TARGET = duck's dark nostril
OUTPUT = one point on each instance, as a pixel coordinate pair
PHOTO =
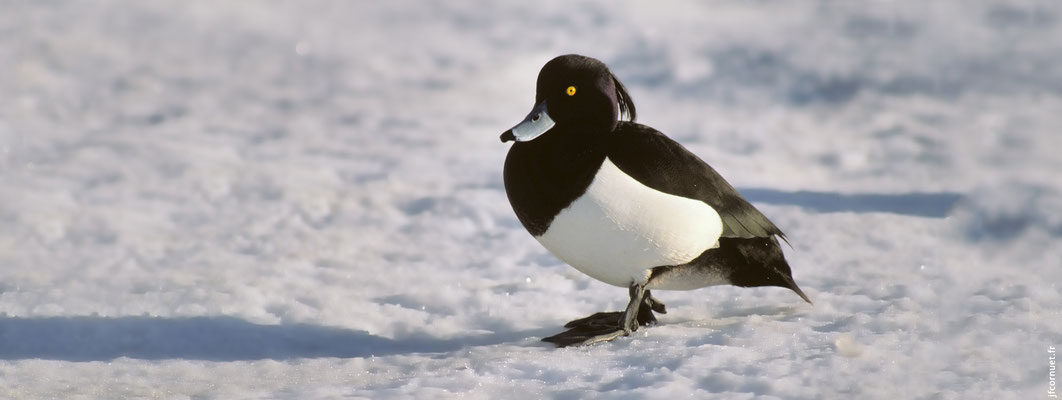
(534, 118)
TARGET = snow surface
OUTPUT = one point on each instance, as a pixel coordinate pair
(303, 199)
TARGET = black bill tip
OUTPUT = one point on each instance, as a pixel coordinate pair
(507, 136)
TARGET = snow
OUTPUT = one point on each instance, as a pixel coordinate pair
(304, 199)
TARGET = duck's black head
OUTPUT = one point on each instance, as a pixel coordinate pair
(574, 92)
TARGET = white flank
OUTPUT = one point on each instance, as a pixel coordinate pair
(620, 228)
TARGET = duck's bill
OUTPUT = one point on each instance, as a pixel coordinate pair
(534, 125)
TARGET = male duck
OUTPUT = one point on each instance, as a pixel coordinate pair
(627, 205)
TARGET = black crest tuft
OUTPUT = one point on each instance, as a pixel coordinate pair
(626, 104)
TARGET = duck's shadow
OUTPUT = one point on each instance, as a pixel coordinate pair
(207, 338)
(937, 205)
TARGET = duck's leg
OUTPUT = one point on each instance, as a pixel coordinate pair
(645, 314)
(651, 303)
(606, 326)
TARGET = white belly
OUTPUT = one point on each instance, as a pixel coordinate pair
(620, 229)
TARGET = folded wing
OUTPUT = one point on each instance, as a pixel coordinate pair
(662, 164)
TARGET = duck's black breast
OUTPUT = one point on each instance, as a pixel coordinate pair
(662, 164)
(544, 176)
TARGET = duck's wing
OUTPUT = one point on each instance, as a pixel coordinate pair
(662, 164)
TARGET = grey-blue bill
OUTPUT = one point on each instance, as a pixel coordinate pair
(535, 124)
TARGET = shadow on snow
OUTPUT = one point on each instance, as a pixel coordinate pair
(205, 338)
(937, 205)
(87, 338)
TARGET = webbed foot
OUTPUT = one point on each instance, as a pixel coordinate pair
(606, 326)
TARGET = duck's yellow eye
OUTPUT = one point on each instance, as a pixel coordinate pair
(571, 90)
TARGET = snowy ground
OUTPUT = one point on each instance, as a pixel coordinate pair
(303, 200)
